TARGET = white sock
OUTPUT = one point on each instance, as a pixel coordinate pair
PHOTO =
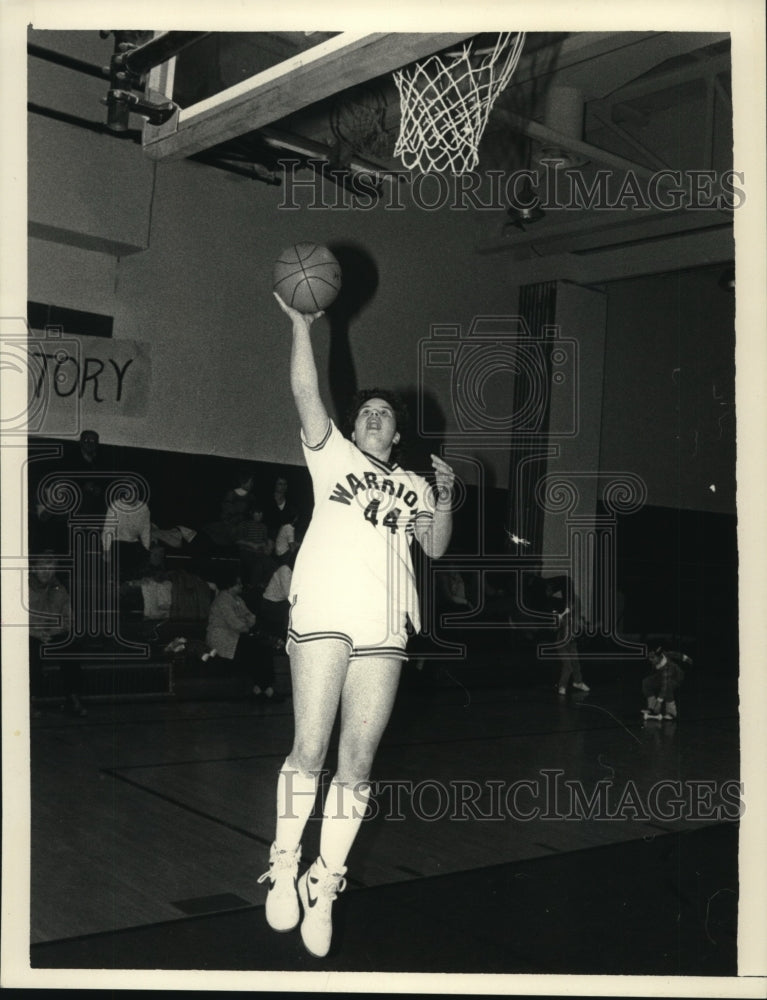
(345, 808)
(296, 795)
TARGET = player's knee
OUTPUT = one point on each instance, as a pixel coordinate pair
(308, 756)
(355, 766)
(353, 776)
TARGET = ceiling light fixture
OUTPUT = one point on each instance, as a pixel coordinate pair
(526, 207)
(563, 114)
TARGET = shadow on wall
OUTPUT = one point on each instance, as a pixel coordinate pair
(423, 411)
(359, 287)
(359, 276)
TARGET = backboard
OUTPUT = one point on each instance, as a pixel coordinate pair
(321, 64)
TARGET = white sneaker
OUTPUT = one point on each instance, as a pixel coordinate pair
(317, 889)
(580, 686)
(282, 912)
(561, 690)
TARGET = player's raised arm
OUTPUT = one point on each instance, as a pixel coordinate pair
(303, 375)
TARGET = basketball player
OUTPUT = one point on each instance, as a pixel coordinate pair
(352, 592)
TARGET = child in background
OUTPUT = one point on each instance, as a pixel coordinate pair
(660, 686)
(563, 601)
(256, 548)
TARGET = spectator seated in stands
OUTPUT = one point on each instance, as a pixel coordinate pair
(277, 509)
(252, 534)
(127, 536)
(85, 473)
(172, 593)
(256, 551)
(167, 606)
(50, 618)
(88, 467)
(286, 542)
(183, 541)
(232, 633)
(157, 596)
(237, 501)
(234, 510)
(275, 602)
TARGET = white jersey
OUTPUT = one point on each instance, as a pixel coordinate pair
(355, 559)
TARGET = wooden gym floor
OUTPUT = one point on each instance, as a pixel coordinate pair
(151, 822)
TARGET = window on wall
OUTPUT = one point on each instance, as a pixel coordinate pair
(78, 322)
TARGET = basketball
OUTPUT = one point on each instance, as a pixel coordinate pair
(307, 277)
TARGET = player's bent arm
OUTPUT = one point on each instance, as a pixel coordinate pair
(434, 534)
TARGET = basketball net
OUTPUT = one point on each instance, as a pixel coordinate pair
(445, 102)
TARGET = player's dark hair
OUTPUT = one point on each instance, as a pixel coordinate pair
(399, 409)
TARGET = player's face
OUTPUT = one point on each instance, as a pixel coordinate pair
(375, 429)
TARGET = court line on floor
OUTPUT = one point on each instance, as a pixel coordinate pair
(353, 882)
(164, 797)
(93, 723)
(386, 745)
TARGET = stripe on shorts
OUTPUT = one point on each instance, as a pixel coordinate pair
(314, 636)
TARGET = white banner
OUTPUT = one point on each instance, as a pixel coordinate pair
(73, 381)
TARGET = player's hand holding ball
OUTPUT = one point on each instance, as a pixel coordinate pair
(299, 319)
